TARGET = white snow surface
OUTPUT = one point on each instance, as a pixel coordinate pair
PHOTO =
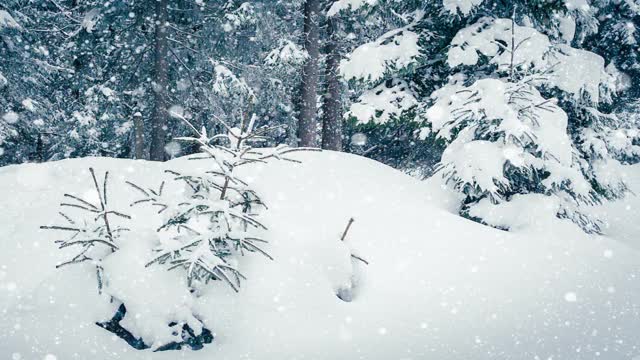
(437, 287)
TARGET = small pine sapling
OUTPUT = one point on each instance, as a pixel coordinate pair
(216, 222)
(93, 234)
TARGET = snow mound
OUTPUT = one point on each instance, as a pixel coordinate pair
(437, 286)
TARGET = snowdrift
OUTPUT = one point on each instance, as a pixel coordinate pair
(437, 286)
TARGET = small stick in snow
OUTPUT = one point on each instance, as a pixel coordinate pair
(344, 236)
(346, 230)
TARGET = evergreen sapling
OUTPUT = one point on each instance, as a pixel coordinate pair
(217, 221)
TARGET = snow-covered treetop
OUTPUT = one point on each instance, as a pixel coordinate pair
(571, 70)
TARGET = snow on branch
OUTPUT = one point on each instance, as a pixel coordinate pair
(8, 22)
(384, 102)
(504, 138)
(94, 234)
(352, 5)
(574, 71)
(464, 6)
(396, 49)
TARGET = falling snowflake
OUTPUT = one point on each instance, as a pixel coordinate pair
(570, 297)
(359, 139)
(173, 149)
(10, 117)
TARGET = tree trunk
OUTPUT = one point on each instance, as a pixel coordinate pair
(138, 144)
(307, 126)
(332, 119)
(159, 120)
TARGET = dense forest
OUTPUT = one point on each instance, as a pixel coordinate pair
(320, 179)
(501, 98)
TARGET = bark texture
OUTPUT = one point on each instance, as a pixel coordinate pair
(331, 106)
(138, 144)
(307, 123)
(160, 115)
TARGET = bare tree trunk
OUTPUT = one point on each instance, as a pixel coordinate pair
(332, 119)
(138, 144)
(159, 120)
(307, 126)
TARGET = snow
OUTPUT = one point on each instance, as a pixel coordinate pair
(567, 28)
(383, 103)
(621, 216)
(465, 6)
(482, 162)
(10, 117)
(29, 104)
(572, 70)
(437, 285)
(522, 212)
(579, 70)
(581, 5)
(397, 48)
(341, 5)
(156, 296)
(484, 36)
(90, 20)
(7, 21)
(289, 53)
(227, 83)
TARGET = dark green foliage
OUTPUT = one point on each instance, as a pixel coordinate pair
(395, 143)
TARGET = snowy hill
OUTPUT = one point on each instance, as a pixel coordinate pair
(437, 286)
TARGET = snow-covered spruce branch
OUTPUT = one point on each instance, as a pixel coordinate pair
(505, 139)
(93, 233)
(215, 223)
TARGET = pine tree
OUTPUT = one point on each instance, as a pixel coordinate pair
(92, 230)
(217, 221)
(459, 43)
(29, 111)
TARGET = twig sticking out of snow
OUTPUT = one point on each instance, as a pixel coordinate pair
(151, 196)
(344, 236)
(346, 230)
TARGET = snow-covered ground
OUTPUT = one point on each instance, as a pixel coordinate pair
(437, 286)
